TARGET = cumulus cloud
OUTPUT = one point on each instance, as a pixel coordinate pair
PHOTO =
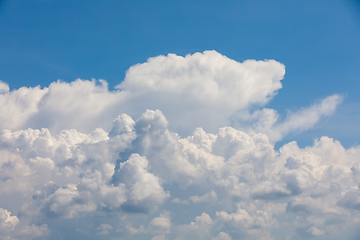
(4, 87)
(79, 160)
(144, 190)
(206, 90)
(161, 223)
(7, 222)
(199, 90)
(251, 190)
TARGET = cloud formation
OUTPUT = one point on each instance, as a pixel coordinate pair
(81, 162)
(193, 91)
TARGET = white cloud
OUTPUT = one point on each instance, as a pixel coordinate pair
(208, 197)
(159, 237)
(34, 231)
(204, 90)
(66, 164)
(306, 118)
(4, 87)
(135, 230)
(84, 174)
(222, 236)
(199, 90)
(200, 228)
(104, 229)
(267, 120)
(161, 223)
(314, 231)
(19, 105)
(178, 200)
(7, 222)
(144, 190)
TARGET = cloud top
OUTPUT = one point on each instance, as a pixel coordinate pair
(199, 90)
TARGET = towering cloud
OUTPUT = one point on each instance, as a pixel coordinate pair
(199, 90)
(81, 162)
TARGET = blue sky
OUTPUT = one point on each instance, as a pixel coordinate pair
(42, 41)
(88, 160)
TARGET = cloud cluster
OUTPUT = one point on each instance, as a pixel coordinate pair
(71, 167)
(235, 185)
(192, 91)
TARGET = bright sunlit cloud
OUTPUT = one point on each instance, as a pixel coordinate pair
(163, 157)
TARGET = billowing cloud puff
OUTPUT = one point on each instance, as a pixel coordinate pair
(7, 222)
(235, 184)
(78, 161)
(193, 91)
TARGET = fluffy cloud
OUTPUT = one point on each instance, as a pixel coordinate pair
(4, 87)
(7, 222)
(161, 223)
(199, 90)
(80, 161)
(251, 190)
(144, 190)
(206, 90)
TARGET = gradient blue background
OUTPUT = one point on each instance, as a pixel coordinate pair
(318, 41)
